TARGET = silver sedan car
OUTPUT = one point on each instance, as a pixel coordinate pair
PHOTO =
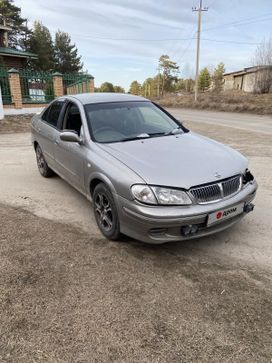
(147, 175)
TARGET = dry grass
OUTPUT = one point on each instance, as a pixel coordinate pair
(231, 101)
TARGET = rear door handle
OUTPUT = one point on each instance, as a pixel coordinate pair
(57, 142)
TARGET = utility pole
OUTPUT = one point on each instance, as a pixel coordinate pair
(199, 10)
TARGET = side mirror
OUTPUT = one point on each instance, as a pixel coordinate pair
(70, 136)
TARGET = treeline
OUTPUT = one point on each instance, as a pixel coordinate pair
(109, 87)
(168, 81)
(58, 55)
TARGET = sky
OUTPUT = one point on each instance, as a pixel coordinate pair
(122, 40)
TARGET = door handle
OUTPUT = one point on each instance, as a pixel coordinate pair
(57, 142)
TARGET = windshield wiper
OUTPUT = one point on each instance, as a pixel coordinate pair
(154, 134)
(177, 130)
(138, 137)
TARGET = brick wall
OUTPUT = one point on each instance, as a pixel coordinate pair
(58, 85)
(15, 88)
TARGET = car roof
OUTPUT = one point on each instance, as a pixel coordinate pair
(99, 97)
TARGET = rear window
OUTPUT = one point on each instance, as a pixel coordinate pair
(52, 113)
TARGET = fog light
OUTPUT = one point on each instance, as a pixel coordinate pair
(189, 230)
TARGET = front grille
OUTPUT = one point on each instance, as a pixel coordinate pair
(231, 186)
(214, 192)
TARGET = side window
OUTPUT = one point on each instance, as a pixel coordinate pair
(51, 115)
(46, 113)
(72, 120)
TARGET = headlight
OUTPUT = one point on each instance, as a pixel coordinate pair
(171, 196)
(143, 194)
(159, 195)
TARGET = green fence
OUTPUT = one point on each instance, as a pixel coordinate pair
(75, 83)
(5, 89)
(36, 87)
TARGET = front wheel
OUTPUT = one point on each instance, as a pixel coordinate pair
(105, 212)
(44, 169)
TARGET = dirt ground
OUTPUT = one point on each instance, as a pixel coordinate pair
(69, 295)
(66, 297)
(14, 124)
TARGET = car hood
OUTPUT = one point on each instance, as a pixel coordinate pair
(180, 161)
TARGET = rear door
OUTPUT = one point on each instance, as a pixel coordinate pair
(70, 156)
(48, 131)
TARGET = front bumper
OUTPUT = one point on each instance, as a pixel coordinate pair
(160, 224)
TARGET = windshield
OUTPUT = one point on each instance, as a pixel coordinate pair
(126, 121)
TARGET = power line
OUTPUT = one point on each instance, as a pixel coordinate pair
(186, 49)
(229, 41)
(174, 46)
(191, 36)
(129, 39)
(165, 39)
(246, 21)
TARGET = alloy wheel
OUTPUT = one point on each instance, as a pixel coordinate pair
(103, 211)
(40, 160)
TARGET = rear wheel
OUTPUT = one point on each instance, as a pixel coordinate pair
(105, 212)
(44, 169)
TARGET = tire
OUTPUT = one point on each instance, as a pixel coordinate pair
(105, 212)
(44, 169)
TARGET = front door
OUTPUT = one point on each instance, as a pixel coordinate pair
(48, 131)
(70, 156)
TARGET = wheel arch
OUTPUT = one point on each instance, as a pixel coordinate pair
(100, 178)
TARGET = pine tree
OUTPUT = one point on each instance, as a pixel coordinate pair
(40, 42)
(12, 15)
(218, 77)
(65, 54)
(170, 70)
(204, 80)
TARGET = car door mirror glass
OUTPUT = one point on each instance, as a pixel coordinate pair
(70, 136)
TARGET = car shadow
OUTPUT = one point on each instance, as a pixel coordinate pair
(197, 247)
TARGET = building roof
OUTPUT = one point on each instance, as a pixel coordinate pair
(10, 52)
(247, 70)
(87, 98)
